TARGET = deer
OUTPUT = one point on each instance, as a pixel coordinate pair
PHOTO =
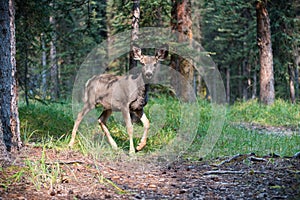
(127, 94)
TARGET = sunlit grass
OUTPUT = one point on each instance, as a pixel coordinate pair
(281, 113)
(53, 124)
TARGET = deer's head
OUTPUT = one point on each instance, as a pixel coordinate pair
(149, 62)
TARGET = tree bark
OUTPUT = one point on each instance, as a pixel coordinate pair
(297, 64)
(53, 59)
(9, 118)
(14, 120)
(292, 83)
(44, 67)
(254, 85)
(135, 30)
(4, 155)
(267, 92)
(181, 23)
(227, 85)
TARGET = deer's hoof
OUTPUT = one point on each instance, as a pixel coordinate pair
(132, 152)
(141, 146)
(71, 144)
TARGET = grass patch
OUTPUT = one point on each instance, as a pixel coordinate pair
(281, 113)
(52, 124)
(45, 123)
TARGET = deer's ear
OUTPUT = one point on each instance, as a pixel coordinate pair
(162, 52)
(137, 52)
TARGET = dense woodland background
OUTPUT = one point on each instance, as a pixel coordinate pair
(54, 37)
(247, 149)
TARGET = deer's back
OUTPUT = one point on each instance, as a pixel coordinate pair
(114, 92)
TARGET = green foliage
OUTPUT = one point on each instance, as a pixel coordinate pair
(240, 141)
(11, 175)
(50, 125)
(41, 122)
(229, 30)
(281, 113)
(43, 174)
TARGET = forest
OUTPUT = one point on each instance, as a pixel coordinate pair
(52, 41)
(219, 118)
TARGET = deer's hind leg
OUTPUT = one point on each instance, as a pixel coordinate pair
(102, 121)
(86, 108)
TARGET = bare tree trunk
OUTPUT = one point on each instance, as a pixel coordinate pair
(240, 81)
(9, 118)
(5, 74)
(182, 23)
(44, 68)
(227, 85)
(53, 60)
(267, 91)
(245, 80)
(296, 70)
(14, 120)
(25, 76)
(135, 30)
(291, 83)
(4, 155)
(254, 85)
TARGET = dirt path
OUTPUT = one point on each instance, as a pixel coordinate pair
(240, 177)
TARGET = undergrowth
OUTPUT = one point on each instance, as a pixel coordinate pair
(52, 124)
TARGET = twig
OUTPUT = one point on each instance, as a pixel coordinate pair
(216, 172)
(220, 172)
(65, 162)
(238, 157)
(253, 158)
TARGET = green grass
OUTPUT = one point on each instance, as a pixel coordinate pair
(51, 126)
(281, 113)
(45, 123)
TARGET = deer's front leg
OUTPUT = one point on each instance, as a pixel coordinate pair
(146, 125)
(129, 126)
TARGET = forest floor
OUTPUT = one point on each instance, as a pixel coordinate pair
(71, 175)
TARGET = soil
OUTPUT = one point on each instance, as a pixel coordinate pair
(80, 177)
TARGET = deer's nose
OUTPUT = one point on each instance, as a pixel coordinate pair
(148, 74)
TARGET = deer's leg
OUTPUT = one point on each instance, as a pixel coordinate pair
(86, 108)
(146, 125)
(102, 121)
(129, 126)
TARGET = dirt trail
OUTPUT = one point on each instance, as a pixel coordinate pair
(239, 177)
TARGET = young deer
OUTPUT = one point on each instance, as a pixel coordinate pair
(127, 94)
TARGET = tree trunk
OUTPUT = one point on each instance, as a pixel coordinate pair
(25, 77)
(5, 74)
(53, 60)
(8, 100)
(267, 92)
(296, 72)
(135, 30)
(254, 85)
(14, 120)
(44, 68)
(4, 155)
(182, 23)
(292, 83)
(227, 85)
(245, 80)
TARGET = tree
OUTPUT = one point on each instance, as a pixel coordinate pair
(53, 58)
(9, 130)
(181, 23)
(135, 30)
(14, 119)
(267, 92)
